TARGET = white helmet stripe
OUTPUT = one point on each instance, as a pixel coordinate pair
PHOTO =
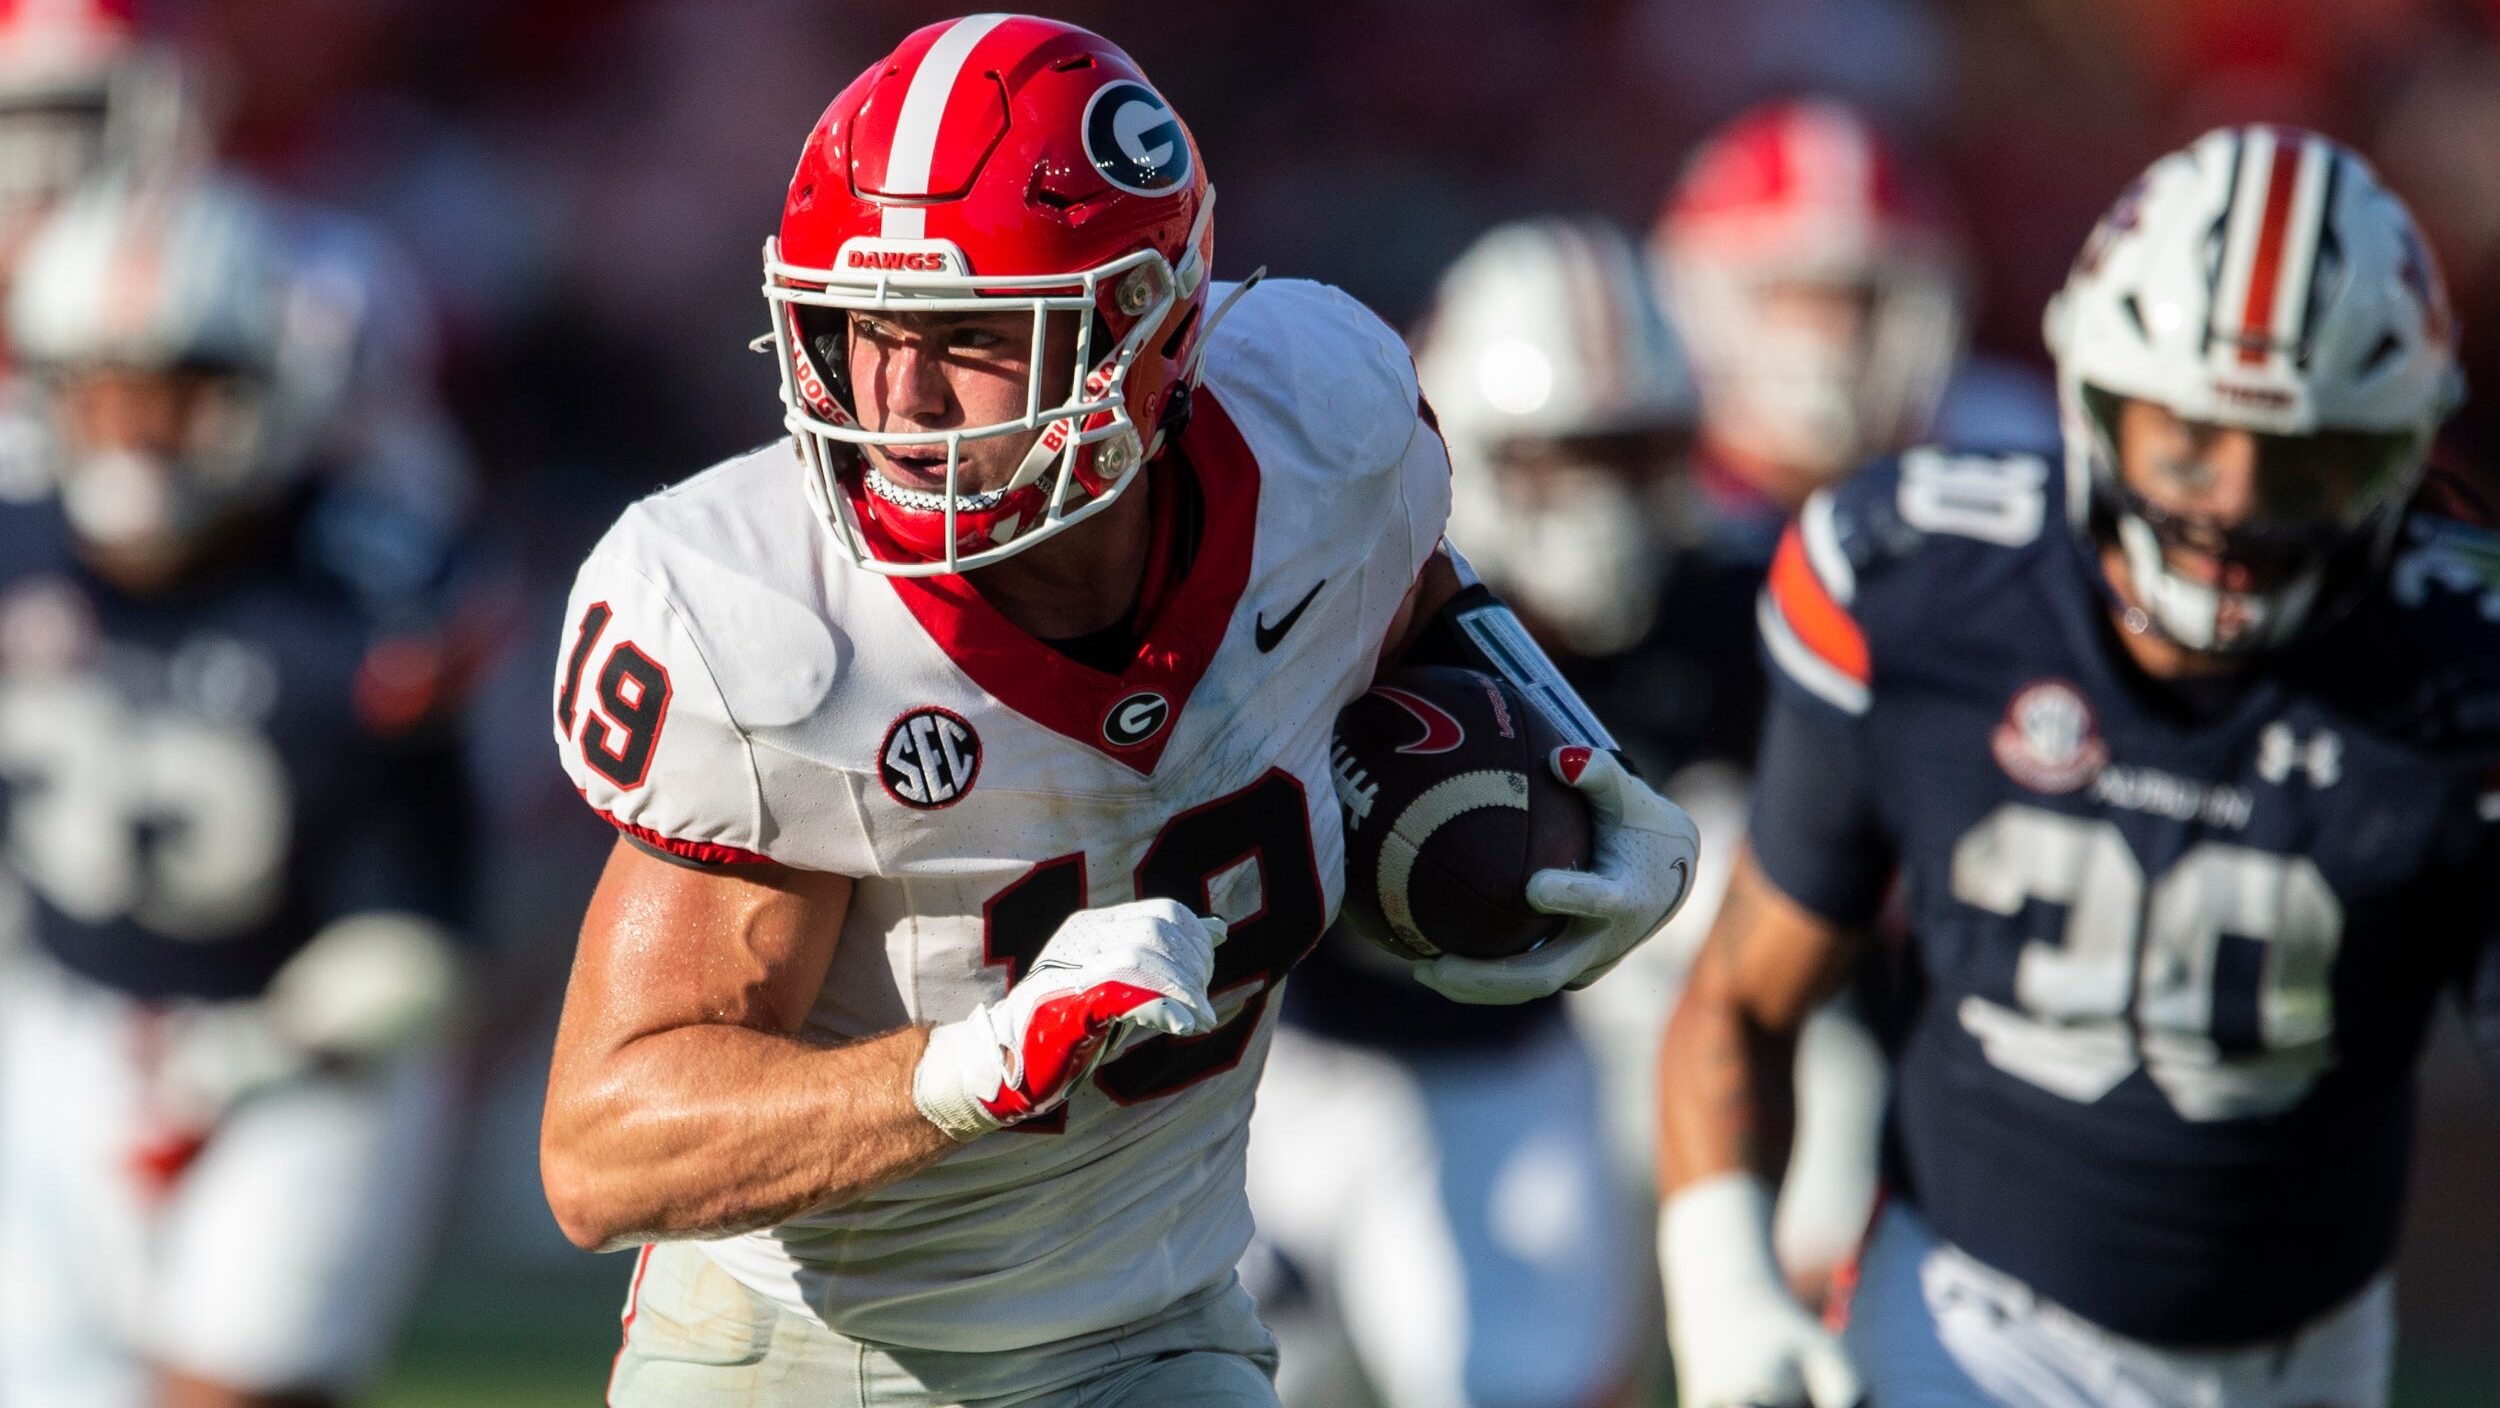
(2314, 183)
(924, 111)
(2257, 277)
(2244, 210)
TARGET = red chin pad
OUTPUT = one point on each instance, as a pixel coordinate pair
(919, 535)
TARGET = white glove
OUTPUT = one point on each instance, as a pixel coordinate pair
(367, 986)
(1739, 1338)
(1143, 965)
(1645, 854)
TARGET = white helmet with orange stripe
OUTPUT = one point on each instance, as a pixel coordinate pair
(1564, 398)
(2259, 281)
(1816, 270)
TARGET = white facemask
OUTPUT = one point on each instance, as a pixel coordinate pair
(125, 499)
(1587, 560)
(1797, 402)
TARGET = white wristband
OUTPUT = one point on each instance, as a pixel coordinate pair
(941, 1085)
(1713, 1238)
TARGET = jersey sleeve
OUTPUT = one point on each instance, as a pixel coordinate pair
(1417, 512)
(1818, 653)
(1815, 828)
(1423, 495)
(641, 723)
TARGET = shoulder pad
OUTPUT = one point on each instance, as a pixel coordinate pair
(1893, 507)
(681, 636)
(1884, 550)
(737, 550)
(2440, 557)
(1314, 378)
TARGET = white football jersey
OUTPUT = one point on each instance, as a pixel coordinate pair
(733, 687)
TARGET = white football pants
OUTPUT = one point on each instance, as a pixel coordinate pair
(1440, 1224)
(282, 1258)
(697, 1338)
(1932, 1328)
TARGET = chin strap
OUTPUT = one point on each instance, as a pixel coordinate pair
(1176, 410)
(1198, 353)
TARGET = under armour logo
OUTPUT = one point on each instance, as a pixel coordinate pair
(2282, 752)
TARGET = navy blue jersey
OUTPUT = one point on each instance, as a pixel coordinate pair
(196, 781)
(2171, 951)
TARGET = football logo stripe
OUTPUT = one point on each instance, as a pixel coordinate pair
(924, 111)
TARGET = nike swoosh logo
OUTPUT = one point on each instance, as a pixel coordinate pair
(1267, 636)
(1441, 732)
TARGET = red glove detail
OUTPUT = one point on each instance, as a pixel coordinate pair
(1065, 1035)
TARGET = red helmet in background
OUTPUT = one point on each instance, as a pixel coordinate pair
(1810, 195)
(994, 162)
(80, 90)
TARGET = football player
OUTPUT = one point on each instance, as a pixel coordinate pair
(1814, 265)
(972, 765)
(235, 840)
(1437, 1215)
(2181, 744)
(81, 92)
(1815, 268)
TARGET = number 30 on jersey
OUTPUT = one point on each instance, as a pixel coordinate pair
(2141, 976)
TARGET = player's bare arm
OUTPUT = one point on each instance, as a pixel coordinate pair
(1726, 1088)
(1727, 1109)
(682, 1101)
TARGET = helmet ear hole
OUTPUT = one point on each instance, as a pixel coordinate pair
(824, 341)
(1104, 341)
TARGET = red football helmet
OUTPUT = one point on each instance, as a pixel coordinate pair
(80, 89)
(1810, 194)
(996, 161)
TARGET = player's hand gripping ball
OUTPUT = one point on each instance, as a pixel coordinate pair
(1449, 808)
(1510, 867)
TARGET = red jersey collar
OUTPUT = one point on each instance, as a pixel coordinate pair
(1129, 716)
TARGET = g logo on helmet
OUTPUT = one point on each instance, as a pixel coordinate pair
(1134, 139)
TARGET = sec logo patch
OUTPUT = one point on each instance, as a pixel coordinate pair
(2048, 741)
(930, 758)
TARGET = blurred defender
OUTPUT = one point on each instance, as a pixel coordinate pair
(236, 835)
(1431, 1178)
(1816, 270)
(81, 93)
(1815, 266)
(2183, 745)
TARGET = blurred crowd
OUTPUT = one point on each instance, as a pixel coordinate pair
(581, 187)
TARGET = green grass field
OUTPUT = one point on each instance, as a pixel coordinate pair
(494, 1338)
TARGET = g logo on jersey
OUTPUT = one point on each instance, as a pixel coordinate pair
(1135, 719)
(1134, 140)
(929, 759)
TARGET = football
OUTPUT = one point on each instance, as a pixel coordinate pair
(1450, 805)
